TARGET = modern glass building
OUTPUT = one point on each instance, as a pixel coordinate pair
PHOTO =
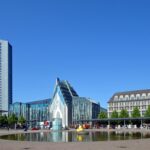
(61, 104)
(36, 111)
(68, 106)
(20, 109)
(84, 109)
(65, 108)
(5, 75)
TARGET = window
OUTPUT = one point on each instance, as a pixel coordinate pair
(144, 96)
(127, 103)
(143, 103)
(132, 97)
(116, 98)
(137, 96)
(121, 97)
(126, 97)
(148, 95)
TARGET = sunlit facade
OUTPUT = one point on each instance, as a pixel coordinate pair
(38, 110)
(84, 109)
(35, 111)
(67, 105)
(128, 100)
(61, 104)
(20, 109)
(5, 75)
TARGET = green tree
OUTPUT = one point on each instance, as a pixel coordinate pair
(3, 120)
(124, 114)
(147, 113)
(12, 120)
(102, 115)
(114, 115)
(21, 120)
(136, 113)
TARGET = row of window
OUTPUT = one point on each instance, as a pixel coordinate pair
(132, 97)
(130, 103)
(142, 113)
(127, 108)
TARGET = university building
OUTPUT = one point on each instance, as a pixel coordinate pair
(35, 111)
(65, 105)
(69, 107)
(128, 100)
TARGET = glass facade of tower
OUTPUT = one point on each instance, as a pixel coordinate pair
(5, 75)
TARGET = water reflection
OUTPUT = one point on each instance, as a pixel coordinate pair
(70, 136)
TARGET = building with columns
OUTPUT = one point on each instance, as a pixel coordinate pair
(128, 100)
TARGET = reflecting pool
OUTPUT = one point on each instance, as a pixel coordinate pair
(72, 136)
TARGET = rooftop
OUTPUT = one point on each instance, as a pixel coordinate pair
(40, 101)
(146, 91)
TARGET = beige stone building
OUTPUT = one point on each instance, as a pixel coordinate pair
(128, 100)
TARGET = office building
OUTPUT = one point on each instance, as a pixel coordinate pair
(38, 110)
(128, 100)
(33, 112)
(5, 75)
(20, 109)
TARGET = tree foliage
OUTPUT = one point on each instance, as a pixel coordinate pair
(12, 120)
(124, 114)
(102, 115)
(3, 120)
(114, 114)
(136, 113)
(147, 113)
(21, 120)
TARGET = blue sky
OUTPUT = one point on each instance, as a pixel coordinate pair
(99, 46)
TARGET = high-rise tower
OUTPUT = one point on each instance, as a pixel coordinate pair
(5, 75)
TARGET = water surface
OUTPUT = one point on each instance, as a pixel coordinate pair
(72, 136)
